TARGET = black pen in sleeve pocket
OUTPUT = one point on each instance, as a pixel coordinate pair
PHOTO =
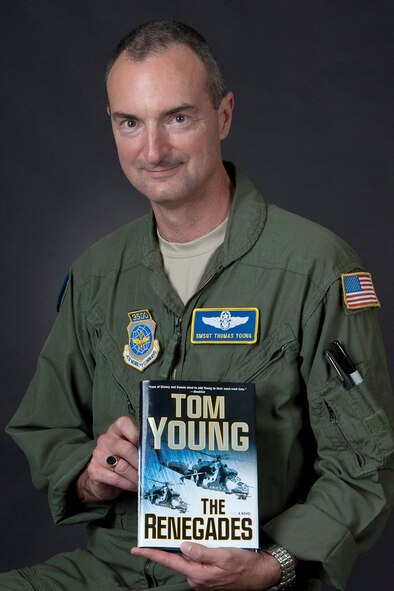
(346, 363)
(341, 374)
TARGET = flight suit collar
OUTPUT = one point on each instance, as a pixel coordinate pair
(246, 222)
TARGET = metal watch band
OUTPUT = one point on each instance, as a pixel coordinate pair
(286, 562)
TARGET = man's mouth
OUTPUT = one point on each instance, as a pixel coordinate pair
(163, 171)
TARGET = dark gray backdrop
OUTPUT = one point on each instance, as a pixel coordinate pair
(313, 128)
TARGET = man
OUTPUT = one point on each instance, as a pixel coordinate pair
(211, 243)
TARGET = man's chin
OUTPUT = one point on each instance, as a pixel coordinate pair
(164, 198)
(162, 192)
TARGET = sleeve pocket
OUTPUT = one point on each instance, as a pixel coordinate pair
(352, 426)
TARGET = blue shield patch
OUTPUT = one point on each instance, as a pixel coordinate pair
(142, 348)
(213, 326)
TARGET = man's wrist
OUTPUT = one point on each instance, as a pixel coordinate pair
(81, 486)
(287, 563)
(83, 489)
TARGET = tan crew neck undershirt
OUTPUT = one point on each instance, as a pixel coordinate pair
(185, 262)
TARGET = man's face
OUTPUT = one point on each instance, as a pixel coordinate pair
(166, 129)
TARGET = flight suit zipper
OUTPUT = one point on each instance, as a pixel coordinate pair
(334, 420)
(179, 319)
(121, 386)
(275, 357)
(178, 332)
(207, 281)
(129, 405)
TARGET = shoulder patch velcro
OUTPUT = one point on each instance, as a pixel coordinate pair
(358, 291)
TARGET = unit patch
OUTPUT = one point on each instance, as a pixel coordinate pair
(225, 326)
(358, 291)
(142, 348)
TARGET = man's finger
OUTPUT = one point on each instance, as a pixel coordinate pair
(167, 559)
(125, 428)
(126, 454)
(121, 467)
(101, 475)
(201, 554)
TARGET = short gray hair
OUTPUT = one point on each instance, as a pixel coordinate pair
(154, 37)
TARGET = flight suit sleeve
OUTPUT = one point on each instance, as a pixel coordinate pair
(53, 424)
(349, 503)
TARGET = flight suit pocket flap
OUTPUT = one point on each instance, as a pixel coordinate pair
(357, 429)
(268, 352)
(106, 345)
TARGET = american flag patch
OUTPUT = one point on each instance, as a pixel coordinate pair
(358, 291)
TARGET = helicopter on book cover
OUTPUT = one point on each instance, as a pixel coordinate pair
(211, 474)
(164, 495)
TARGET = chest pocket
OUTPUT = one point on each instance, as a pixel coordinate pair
(116, 386)
(277, 354)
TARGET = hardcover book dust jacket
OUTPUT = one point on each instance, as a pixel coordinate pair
(197, 465)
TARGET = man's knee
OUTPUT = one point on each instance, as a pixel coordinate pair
(16, 580)
(59, 573)
(78, 570)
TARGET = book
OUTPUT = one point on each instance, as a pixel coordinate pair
(198, 476)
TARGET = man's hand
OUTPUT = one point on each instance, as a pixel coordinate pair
(218, 569)
(100, 482)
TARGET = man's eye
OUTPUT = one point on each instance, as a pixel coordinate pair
(127, 126)
(180, 118)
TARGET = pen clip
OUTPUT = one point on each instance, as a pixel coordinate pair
(341, 374)
(343, 357)
(345, 362)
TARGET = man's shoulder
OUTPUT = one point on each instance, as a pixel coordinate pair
(300, 245)
(120, 250)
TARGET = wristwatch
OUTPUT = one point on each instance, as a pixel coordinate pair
(286, 562)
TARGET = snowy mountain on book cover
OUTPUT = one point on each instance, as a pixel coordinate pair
(198, 465)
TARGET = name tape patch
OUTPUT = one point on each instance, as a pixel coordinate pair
(213, 326)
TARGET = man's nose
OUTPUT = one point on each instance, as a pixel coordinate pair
(155, 145)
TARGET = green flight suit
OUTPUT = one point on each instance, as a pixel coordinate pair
(324, 452)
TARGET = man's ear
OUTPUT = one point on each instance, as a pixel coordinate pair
(225, 114)
(108, 111)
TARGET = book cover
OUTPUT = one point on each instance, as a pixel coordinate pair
(197, 465)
